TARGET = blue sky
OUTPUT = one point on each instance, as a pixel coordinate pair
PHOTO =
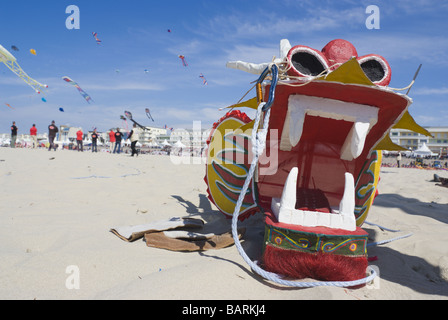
(208, 33)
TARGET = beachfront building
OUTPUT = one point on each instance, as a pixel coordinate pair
(151, 134)
(410, 140)
(195, 138)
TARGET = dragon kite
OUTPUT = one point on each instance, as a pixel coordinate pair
(324, 117)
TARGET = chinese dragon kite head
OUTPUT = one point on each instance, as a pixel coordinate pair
(318, 174)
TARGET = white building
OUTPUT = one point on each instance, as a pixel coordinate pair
(410, 140)
(195, 138)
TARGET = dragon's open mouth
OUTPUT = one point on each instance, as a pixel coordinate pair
(326, 135)
(332, 131)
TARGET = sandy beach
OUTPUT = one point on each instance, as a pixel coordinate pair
(57, 209)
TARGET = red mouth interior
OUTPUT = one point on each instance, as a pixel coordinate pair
(312, 200)
(318, 156)
(318, 153)
(320, 182)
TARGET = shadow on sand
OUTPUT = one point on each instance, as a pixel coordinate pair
(415, 272)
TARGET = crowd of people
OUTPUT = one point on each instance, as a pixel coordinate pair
(115, 138)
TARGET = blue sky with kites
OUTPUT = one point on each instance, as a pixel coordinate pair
(137, 66)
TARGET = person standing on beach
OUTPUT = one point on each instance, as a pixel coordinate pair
(118, 136)
(79, 136)
(112, 140)
(52, 130)
(94, 141)
(134, 136)
(33, 134)
(398, 159)
(14, 130)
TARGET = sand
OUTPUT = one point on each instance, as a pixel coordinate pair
(57, 209)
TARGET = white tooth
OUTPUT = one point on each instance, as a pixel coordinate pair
(354, 143)
(288, 199)
(285, 212)
(275, 206)
(296, 125)
(347, 204)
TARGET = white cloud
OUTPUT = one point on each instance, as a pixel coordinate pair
(266, 24)
(126, 86)
(431, 91)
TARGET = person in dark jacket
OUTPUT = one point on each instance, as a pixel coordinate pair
(94, 141)
(52, 131)
(118, 136)
(14, 130)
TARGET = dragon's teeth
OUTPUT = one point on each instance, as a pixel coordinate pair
(347, 204)
(288, 199)
(285, 212)
(354, 143)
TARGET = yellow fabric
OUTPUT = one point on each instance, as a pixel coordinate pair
(387, 144)
(349, 72)
(247, 126)
(368, 188)
(407, 122)
(252, 103)
(235, 170)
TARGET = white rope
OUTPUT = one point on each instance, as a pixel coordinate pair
(258, 145)
(388, 240)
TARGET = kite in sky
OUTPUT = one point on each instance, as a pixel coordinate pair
(9, 105)
(82, 92)
(148, 114)
(98, 41)
(129, 116)
(146, 71)
(44, 100)
(169, 30)
(61, 109)
(125, 121)
(14, 48)
(204, 81)
(33, 51)
(184, 62)
(11, 62)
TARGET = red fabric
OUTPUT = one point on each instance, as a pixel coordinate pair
(33, 131)
(79, 135)
(111, 136)
(320, 266)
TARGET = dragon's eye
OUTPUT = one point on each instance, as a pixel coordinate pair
(376, 69)
(306, 61)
